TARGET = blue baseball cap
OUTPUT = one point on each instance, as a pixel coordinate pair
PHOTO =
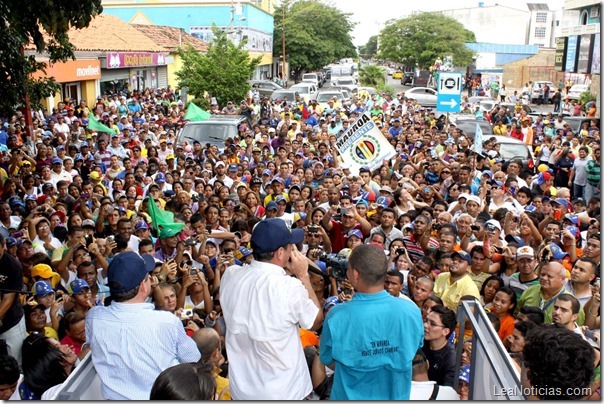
(571, 217)
(383, 201)
(514, 239)
(557, 252)
(160, 177)
(561, 201)
(574, 230)
(356, 233)
(266, 172)
(42, 288)
(128, 269)
(11, 242)
(140, 225)
(280, 198)
(78, 157)
(463, 255)
(78, 285)
(232, 168)
(245, 252)
(530, 208)
(57, 160)
(322, 266)
(271, 205)
(271, 234)
(362, 202)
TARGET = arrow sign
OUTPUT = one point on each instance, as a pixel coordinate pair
(452, 104)
(448, 97)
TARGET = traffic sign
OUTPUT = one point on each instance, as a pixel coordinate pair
(448, 98)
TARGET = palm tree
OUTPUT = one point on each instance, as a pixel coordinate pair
(371, 76)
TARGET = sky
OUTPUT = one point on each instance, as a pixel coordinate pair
(370, 15)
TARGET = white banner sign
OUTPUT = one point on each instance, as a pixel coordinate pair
(364, 145)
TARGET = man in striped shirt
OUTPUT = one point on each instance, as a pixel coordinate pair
(131, 342)
(420, 242)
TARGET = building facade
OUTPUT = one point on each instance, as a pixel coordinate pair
(578, 43)
(247, 19)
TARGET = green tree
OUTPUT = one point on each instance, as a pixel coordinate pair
(371, 76)
(369, 50)
(223, 72)
(422, 38)
(316, 34)
(45, 24)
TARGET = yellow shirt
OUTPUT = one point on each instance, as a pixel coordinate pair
(451, 294)
(479, 279)
(222, 386)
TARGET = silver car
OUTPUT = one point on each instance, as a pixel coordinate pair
(423, 95)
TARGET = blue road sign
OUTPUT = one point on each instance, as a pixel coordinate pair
(448, 98)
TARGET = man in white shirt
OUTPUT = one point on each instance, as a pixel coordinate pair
(61, 126)
(424, 389)
(263, 309)
(58, 174)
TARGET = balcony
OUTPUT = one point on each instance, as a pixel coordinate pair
(579, 30)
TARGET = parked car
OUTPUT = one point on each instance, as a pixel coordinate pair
(324, 96)
(291, 95)
(312, 78)
(477, 99)
(538, 91)
(576, 122)
(467, 123)
(407, 79)
(265, 87)
(514, 149)
(423, 95)
(306, 90)
(370, 90)
(576, 91)
(397, 75)
(214, 131)
(347, 82)
(487, 105)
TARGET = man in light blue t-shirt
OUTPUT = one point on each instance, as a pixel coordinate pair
(370, 341)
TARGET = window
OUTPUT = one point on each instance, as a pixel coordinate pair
(541, 17)
(539, 32)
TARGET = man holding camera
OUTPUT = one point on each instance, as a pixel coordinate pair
(263, 310)
(370, 341)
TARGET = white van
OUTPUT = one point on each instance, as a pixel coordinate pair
(311, 78)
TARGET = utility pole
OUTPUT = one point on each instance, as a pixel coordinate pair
(284, 68)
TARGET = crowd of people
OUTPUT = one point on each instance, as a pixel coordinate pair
(269, 268)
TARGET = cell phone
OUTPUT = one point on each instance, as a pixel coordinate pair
(18, 234)
(187, 313)
(110, 239)
(400, 250)
(228, 250)
(209, 228)
(88, 239)
(85, 195)
(557, 214)
(426, 190)
(475, 227)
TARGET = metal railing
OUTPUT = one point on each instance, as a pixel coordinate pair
(493, 375)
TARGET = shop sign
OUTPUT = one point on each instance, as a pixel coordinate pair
(72, 70)
(134, 59)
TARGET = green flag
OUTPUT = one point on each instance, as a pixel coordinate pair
(94, 124)
(194, 113)
(163, 220)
